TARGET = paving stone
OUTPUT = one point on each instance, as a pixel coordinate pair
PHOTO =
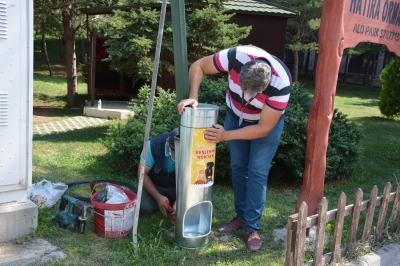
(69, 124)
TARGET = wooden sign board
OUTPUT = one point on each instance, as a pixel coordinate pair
(344, 23)
(376, 21)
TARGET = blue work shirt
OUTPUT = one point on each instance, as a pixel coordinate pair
(169, 165)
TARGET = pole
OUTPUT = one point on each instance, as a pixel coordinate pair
(180, 49)
(148, 124)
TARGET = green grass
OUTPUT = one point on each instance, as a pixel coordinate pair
(79, 155)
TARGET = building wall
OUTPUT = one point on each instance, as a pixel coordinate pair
(267, 32)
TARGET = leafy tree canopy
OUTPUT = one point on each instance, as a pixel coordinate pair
(302, 31)
(133, 35)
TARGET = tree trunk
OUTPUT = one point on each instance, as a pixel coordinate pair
(315, 67)
(43, 43)
(82, 50)
(345, 68)
(374, 65)
(70, 57)
(366, 72)
(295, 69)
(47, 56)
(307, 62)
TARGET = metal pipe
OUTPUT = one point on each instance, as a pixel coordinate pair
(148, 124)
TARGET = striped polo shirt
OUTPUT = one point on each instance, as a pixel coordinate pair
(277, 93)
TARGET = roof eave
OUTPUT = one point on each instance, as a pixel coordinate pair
(263, 13)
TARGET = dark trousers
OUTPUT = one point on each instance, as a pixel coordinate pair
(148, 205)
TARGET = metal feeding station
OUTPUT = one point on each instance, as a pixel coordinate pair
(195, 161)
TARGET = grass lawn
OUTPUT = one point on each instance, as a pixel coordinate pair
(79, 155)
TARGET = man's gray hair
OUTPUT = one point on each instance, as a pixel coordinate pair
(255, 76)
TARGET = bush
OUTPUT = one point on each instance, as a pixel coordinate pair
(343, 145)
(389, 102)
(213, 91)
(124, 139)
(288, 163)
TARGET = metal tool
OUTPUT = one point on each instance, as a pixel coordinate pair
(75, 217)
(171, 217)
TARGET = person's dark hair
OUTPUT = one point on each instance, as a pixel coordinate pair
(255, 76)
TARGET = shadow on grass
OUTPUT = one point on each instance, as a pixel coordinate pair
(348, 90)
(367, 103)
(48, 78)
(377, 121)
(47, 98)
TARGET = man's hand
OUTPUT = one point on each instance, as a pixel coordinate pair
(163, 202)
(187, 102)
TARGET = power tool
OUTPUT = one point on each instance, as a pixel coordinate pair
(75, 217)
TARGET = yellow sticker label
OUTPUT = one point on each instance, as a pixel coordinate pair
(203, 159)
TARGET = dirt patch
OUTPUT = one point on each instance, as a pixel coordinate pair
(42, 114)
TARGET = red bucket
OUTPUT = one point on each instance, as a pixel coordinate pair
(113, 220)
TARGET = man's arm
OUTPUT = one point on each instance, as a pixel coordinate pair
(268, 119)
(197, 70)
(148, 185)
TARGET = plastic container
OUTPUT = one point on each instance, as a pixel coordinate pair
(99, 104)
(113, 220)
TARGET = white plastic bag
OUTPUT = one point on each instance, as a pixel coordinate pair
(116, 195)
(46, 194)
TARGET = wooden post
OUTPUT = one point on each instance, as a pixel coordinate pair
(320, 237)
(291, 239)
(354, 220)
(321, 113)
(393, 221)
(370, 215)
(382, 211)
(301, 235)
(92, 66)
(344, 23)
(337, 235)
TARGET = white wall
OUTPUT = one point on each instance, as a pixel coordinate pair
(16, 93)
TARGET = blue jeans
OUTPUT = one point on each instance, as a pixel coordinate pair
(250, 164)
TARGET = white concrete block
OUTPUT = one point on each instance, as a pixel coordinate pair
(17, 219)
(106, 113)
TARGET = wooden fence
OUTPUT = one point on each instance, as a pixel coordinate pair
(299, 223)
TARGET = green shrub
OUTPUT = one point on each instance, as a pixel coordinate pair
(124, 139)
(343, 145)
(389, 102)
(288, 163)
(213, 91)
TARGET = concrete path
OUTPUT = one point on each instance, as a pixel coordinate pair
(69, 124)
(387, 256)
(33, 251)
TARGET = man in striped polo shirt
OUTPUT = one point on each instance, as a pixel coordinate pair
(259, 90)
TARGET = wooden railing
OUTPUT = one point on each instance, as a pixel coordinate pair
(299, 223)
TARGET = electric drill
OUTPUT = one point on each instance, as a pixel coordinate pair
(75, 217)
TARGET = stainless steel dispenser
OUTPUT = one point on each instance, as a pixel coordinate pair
(195, 161)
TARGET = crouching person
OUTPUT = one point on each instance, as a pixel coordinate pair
(159, 187)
